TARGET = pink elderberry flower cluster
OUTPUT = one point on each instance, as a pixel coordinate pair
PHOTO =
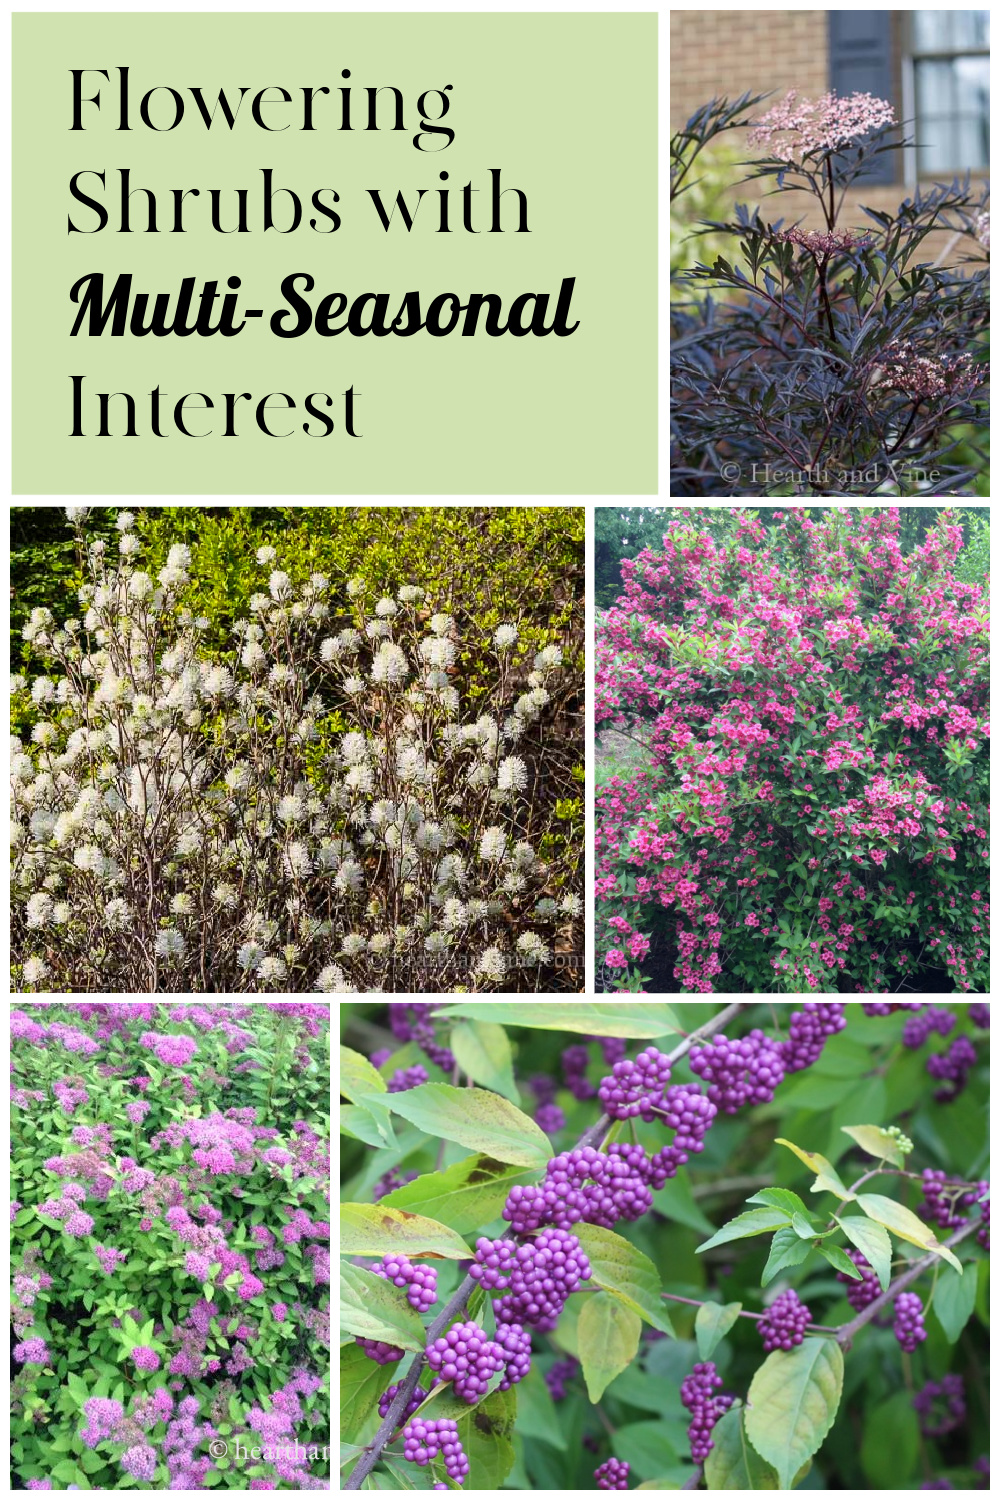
(818, 243)
(922, 375)
(983, 230)
(812, 125)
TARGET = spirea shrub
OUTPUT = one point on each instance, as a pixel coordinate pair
(177, 824)
(837, 360)
(170, 1264)
(752, 1282)
(814, 708)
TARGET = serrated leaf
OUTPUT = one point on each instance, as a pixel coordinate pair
(373, 1308)
(787, 1249)
(792, 1404)
(374, 1229)
(482, 1050)
(363, 1125)
(477, 1119)
(874, 1243)
(733, 1463)
(827, 1180)
(954, 1302)
(757, 1221)
(712, 1323)
(601, 1019)
(877, 1142)
(607, 1340)
(782, 1198)
(905, 1225)
(486, 1436)
(466, 1196)
(619, 1268)
(839, 1261)
(358, 1077)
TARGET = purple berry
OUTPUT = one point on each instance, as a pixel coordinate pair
(387, 1397)
(515, 1342)
(550, 1118)
(382, 1354)
(575, 1061)
(808, 1030)
(979, 1015)
(917, 1028)
(544, 1273)
(784, 1324)
(860, 1293)
(746, 1070)
(407, 1078)
(908, 1325)
(586, 1186)
(465, 1356)
(420, 1281)
(556, 1378)
(612, 1475)
(944, 1198)
(952, 1067)
(698, 1397)
(389, 1182)
(612, 1048)
(940, 1405)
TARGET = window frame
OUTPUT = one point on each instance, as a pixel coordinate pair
(910, 57)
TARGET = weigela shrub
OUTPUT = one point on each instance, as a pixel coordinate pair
(839, 360)
(178, 796)
(815, 708)
(170, 1245)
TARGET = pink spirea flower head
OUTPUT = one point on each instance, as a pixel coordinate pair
(825, 124)
(137, 1111)
(145, 1358)
(103, 1416)
(279, 1312)
(175, 1051)
(139, 1461)
(32, 1352)
(250, 1287)
(78, 1224)
(39, 1484)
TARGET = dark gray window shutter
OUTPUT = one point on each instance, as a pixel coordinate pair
(861, 62)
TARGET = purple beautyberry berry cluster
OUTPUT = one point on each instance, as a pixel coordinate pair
(388, 1397)
(543, 1274)
(917, 1028)
(940, 1405)
(908, 1325)
(493, 1263)
(556, 1378)
(465, 1356)
(952, 1068)
(689, 1113)
(784, 1324)
(423, 1441)
(979, 1015)
(389, 1182)
(612, 1475)
(612, 1048)
(881, 1008)
(699, 1398)
(636, 1088)
(860, 1293)
(586, 1186)
(746, 1070)
(415, 1023)
(984, 1213)
(943, 1199)
(420, 1281)
(550, 1118)
(515, 1342)
(575, 1061)
(382, 1354)
(808, 1030)
(407, 1078)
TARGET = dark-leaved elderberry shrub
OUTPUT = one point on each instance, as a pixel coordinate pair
(834, 360)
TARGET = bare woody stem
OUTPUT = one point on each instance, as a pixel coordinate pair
(401, 1400)
(757, 1317)
(847, 1332)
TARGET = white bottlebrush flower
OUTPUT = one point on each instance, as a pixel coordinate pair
(43, 690)
(354, 685)
(17, 682)
(533, 949)
(272, 970)
(571, 905)
(353, 944)
(548, 658)
(505, 636)
(248, 957)
(179, 556)
(410, 594)
(189, 842)
(353, 748)
(292, 809)
(330, 648)
(512, 774)
(386, 608)
(356, 587)
(523, 855)
(438, 652)
(492, 964)
(125, 520)
(140, 585)
(170, 944)
(62, 913)
(266, 556)
(238, 776)
(225, 895)
(117, 914)
(332, 981)
(218, 682)
(280, 675)
(77, 514)
(280, 585)
(492, 844)
(389, 664)
(297, 859)
(38, 910)
(182, 904)
(35, 970)
(129, 544)
(441, 624)
(253, 656)
(349, 877)
(360, 779)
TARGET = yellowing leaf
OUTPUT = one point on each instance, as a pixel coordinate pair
(827, 1180)
(374, 1229)
(905, 1225)
(792, 1404)
(877, 1142)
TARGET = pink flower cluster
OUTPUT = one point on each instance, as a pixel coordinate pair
(821, 243)
(826, 124)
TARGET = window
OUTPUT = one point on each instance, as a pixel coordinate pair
(950, 59)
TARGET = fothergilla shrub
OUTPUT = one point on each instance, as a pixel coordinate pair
(170, 1246)
(813, 809)
(836, 360)
(724, 1270)
(318, 807)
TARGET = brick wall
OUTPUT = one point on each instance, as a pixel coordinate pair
(728, 52)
